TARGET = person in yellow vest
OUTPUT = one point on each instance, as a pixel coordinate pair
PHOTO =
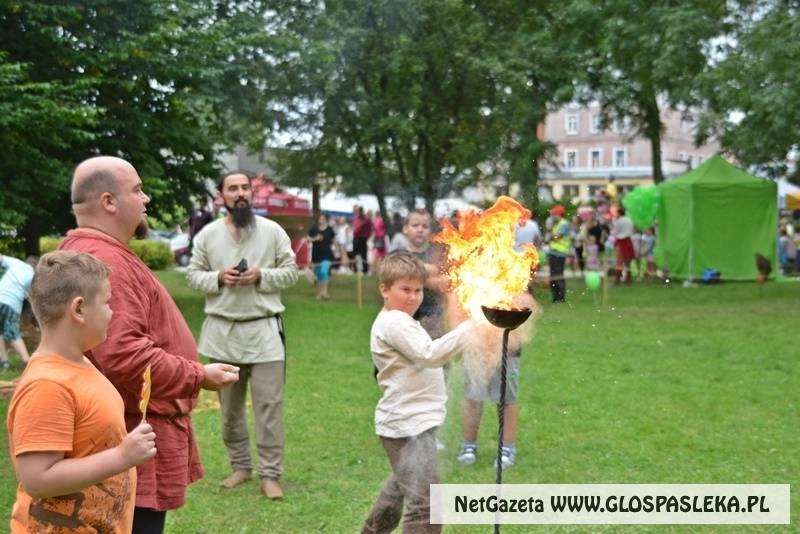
(559, 249)
(611, 189)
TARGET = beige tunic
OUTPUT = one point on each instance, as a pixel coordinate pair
(240, 326)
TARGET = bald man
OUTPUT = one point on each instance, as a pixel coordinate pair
(146, 329)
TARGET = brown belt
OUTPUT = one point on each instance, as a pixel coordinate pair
(248, 320)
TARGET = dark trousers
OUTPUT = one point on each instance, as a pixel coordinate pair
(558, 286)
(413, 471)
(148, 521)
(360, 249)
(579, 257)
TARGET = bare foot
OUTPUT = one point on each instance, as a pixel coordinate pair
(271, 488)
(239, 476)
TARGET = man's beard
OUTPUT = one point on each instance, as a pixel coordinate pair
(241, 213)
(141, 230)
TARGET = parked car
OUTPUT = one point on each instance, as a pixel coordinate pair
(178, 243)
(165, 236)
(180, 249)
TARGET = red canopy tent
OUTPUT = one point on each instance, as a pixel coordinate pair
(292, 212)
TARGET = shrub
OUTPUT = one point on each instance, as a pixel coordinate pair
(12, 246)
(155, 254)
(48, 243)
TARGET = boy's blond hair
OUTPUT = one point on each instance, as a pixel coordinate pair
(61, 276)
(399, 265)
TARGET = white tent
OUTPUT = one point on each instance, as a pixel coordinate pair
(337, 204)
(785, 188)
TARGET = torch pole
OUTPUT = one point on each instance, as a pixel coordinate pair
(359, 278)
(508, 320)
(501, 416)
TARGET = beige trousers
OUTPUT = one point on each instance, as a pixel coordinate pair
(266, 389)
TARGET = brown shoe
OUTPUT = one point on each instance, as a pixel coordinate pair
(239, 476)
(271, 488)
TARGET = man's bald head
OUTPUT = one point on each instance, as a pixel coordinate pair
(95, 176)
(107, 196)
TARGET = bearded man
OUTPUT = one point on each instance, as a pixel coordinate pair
(241, 263)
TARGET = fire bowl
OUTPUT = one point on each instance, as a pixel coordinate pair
(506, 319)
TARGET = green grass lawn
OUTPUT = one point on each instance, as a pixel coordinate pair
(663, 385)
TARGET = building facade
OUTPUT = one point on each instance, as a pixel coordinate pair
(588, 154)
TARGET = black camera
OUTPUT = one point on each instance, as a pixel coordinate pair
(242, 266)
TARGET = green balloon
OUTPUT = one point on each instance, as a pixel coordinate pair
(641, 205)
(592, 280)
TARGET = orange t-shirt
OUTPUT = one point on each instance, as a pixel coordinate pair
(60, 405)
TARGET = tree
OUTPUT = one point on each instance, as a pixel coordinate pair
(753, 91)
(149, 76)
(648, 56)
(416, 97)
(38, 121)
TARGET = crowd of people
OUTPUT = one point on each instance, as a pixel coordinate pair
(81, 430)
(350, 245)
(599, 238)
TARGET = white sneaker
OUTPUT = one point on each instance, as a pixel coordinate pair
(468, 454)
(508, 456)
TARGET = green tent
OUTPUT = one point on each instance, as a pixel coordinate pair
(717, 216)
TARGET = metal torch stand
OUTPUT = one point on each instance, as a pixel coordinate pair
(501, 416)
(508, 320)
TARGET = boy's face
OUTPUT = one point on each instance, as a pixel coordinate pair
(97, 314)
(404, 295)
(417, 229)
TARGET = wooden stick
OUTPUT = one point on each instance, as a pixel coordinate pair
(145, 397)
(359, 278)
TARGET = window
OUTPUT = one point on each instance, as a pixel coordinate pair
(686, 124)
(620, 124)
(595, 127)
(620, 157)
(569, 191)
(595, 158)
(571, 159)
(594, 189)
(572, 124)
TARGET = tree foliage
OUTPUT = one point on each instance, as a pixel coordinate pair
(648, 56)
(406, 97)
(141, 80)
(419, 97)
(753, 92)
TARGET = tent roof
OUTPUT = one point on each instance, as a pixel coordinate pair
(715, 171)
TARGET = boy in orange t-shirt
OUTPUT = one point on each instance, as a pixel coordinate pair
(73, 459)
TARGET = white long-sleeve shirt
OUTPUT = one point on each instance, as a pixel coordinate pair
(622, 227)
(410, 373)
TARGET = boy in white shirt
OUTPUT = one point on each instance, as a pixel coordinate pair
(409, 365)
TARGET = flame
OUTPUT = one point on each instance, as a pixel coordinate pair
(482, 265)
